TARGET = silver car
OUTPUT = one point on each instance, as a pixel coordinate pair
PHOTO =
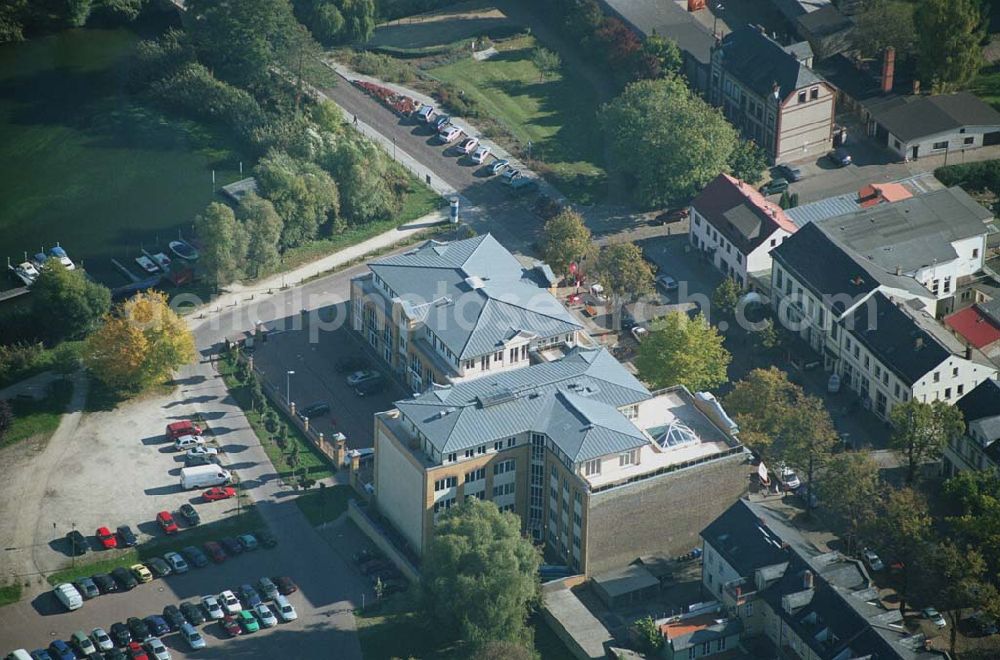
(266, 616)
(268, 588)
(177, 563)
(212, 606)
(284, 608)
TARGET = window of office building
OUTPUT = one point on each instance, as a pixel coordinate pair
(592, 467)
(447, 482)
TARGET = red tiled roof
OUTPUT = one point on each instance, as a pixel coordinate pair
(974, 326)
(685, 626)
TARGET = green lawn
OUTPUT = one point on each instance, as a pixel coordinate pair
(987, 85)
(10, 593)
(324, 505)
(395, 630)
(38, 418)
(310, 458)
(557, 115)
(248, 521)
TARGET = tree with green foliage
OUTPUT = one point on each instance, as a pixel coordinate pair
(767, 338)
(955, 579)
(666, 140)
(680, 350)
(126, 10)
(263, 227)
(784, 201)
(808, 439)
(903, 531)
(370, 187)
(65, 304)
(224, 244)
(762, 405)
(747, 161)
(500, 650)
(566, 240)
(726, 296)
(624, 274)
(665, 51)
(12, 16)
(976, 493)
(480, 575)
(949, 50)
(921, 431)
(303, 194)
(77, 12)
(547, 62)
(885, 24)
(650, 637)
(849, 489)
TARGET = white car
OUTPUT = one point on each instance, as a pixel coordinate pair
(480, 155)
(266, 616)
(186, 442)
(156, 648)
(667, 283)
(211, 605)
(230, 602)
(424, 113)
(872, 559)
(177, 563)
(285, 609)
(448, 134)
(639, 333)
(789, 480)
(934, 617)
(468, 145)
(192, 636)
(202, 450)
(101, 639)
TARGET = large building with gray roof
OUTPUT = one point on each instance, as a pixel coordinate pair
(577, 447)
(444, 312)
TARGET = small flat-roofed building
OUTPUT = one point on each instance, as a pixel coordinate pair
(712, 635)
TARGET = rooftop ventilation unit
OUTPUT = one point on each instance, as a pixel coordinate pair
(496, 398)
(475, 282)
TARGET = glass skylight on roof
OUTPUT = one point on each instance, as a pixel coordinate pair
(677, 434)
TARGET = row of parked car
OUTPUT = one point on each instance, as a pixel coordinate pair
(239, 611)
(72, 596)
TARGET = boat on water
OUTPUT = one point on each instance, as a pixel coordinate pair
(60, 255)
(162, 260)
(147, 264)
(27, 273)
(38, 260)
(184, 250)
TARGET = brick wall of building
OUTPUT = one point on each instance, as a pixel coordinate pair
(661, 515)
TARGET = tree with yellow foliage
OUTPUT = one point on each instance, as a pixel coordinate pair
(139, 344)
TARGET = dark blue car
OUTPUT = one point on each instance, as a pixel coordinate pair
(60, 650)
(157, 625)
(40, 654)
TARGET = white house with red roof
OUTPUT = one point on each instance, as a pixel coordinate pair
(737, 227)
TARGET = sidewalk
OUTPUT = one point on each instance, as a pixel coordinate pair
(36, 386)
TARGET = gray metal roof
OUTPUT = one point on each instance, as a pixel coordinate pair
(473, 294)
(922, 116)
(760, 63)
(574, 401)
(913, 233)
(823, 209)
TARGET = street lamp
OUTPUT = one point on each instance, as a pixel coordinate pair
(288, 387)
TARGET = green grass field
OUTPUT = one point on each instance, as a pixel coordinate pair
(324, 505)
(10, 593)
(557, 115)
(38, 419)
(987, 85)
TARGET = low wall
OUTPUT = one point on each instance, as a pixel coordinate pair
(381, 541)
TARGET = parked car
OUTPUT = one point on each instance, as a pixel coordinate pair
(192, 637)
(510, 175)
(77, 544)
(173, 617)
(141, 573)
(789, 172)
(667, 283)
(480, 155)
(440, 121)
(468, 145)
(788, 479)
(87, 588)
(314, 410)
(82, 644)
(105, 583)
(156, 649)
(232, 545)
(135, 651)
(159, 567)
(266, 539)
(231, 625)
(176, 562)
(157, 625)
(362, 376)
(424, 113)
(126, 538)
(194, 556)
(60, 650)
(285, 609)
(101, 639)
(934, 617)
(369, 387)
(215, 551)
(120, 634)
(673, 215)
(67, 594)
(522, 185)
(982, 624)
(184, 427)
(230, 602)
(194, 460)
(186, 442)
(202, 450)
(498, 166)
(138, 628)
(285, 585)
(248, 542)
(267, 587)
(448, 133)
(247, 621)
(774, 186)
(872, 560)
(265, 616)
(249, 596)
(124, 578)
(218, 493)
(106, 538)
(189, 514)
(839, 157)
(192, 613)
(213, 607)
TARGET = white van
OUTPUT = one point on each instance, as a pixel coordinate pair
(68, 596)
(201, 476)
(19, 654)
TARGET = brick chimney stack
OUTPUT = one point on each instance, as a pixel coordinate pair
(695, 5)
(888, 69)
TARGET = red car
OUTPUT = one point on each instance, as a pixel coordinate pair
(167, 522)
(231, 626)
(219, 493)
(183, 427)
(107, 539)
(136, 652)
(574, 299)
(285, 585)
(215, 551)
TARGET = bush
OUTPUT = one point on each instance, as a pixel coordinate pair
(383, 67)
(156, 59)
(454, 100)
(18, 359)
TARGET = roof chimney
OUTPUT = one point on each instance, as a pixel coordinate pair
(899, 270)
(968, 352)
(807, 579)
(918, 343)
(695, 5)
(916, 87)
(888, 69)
